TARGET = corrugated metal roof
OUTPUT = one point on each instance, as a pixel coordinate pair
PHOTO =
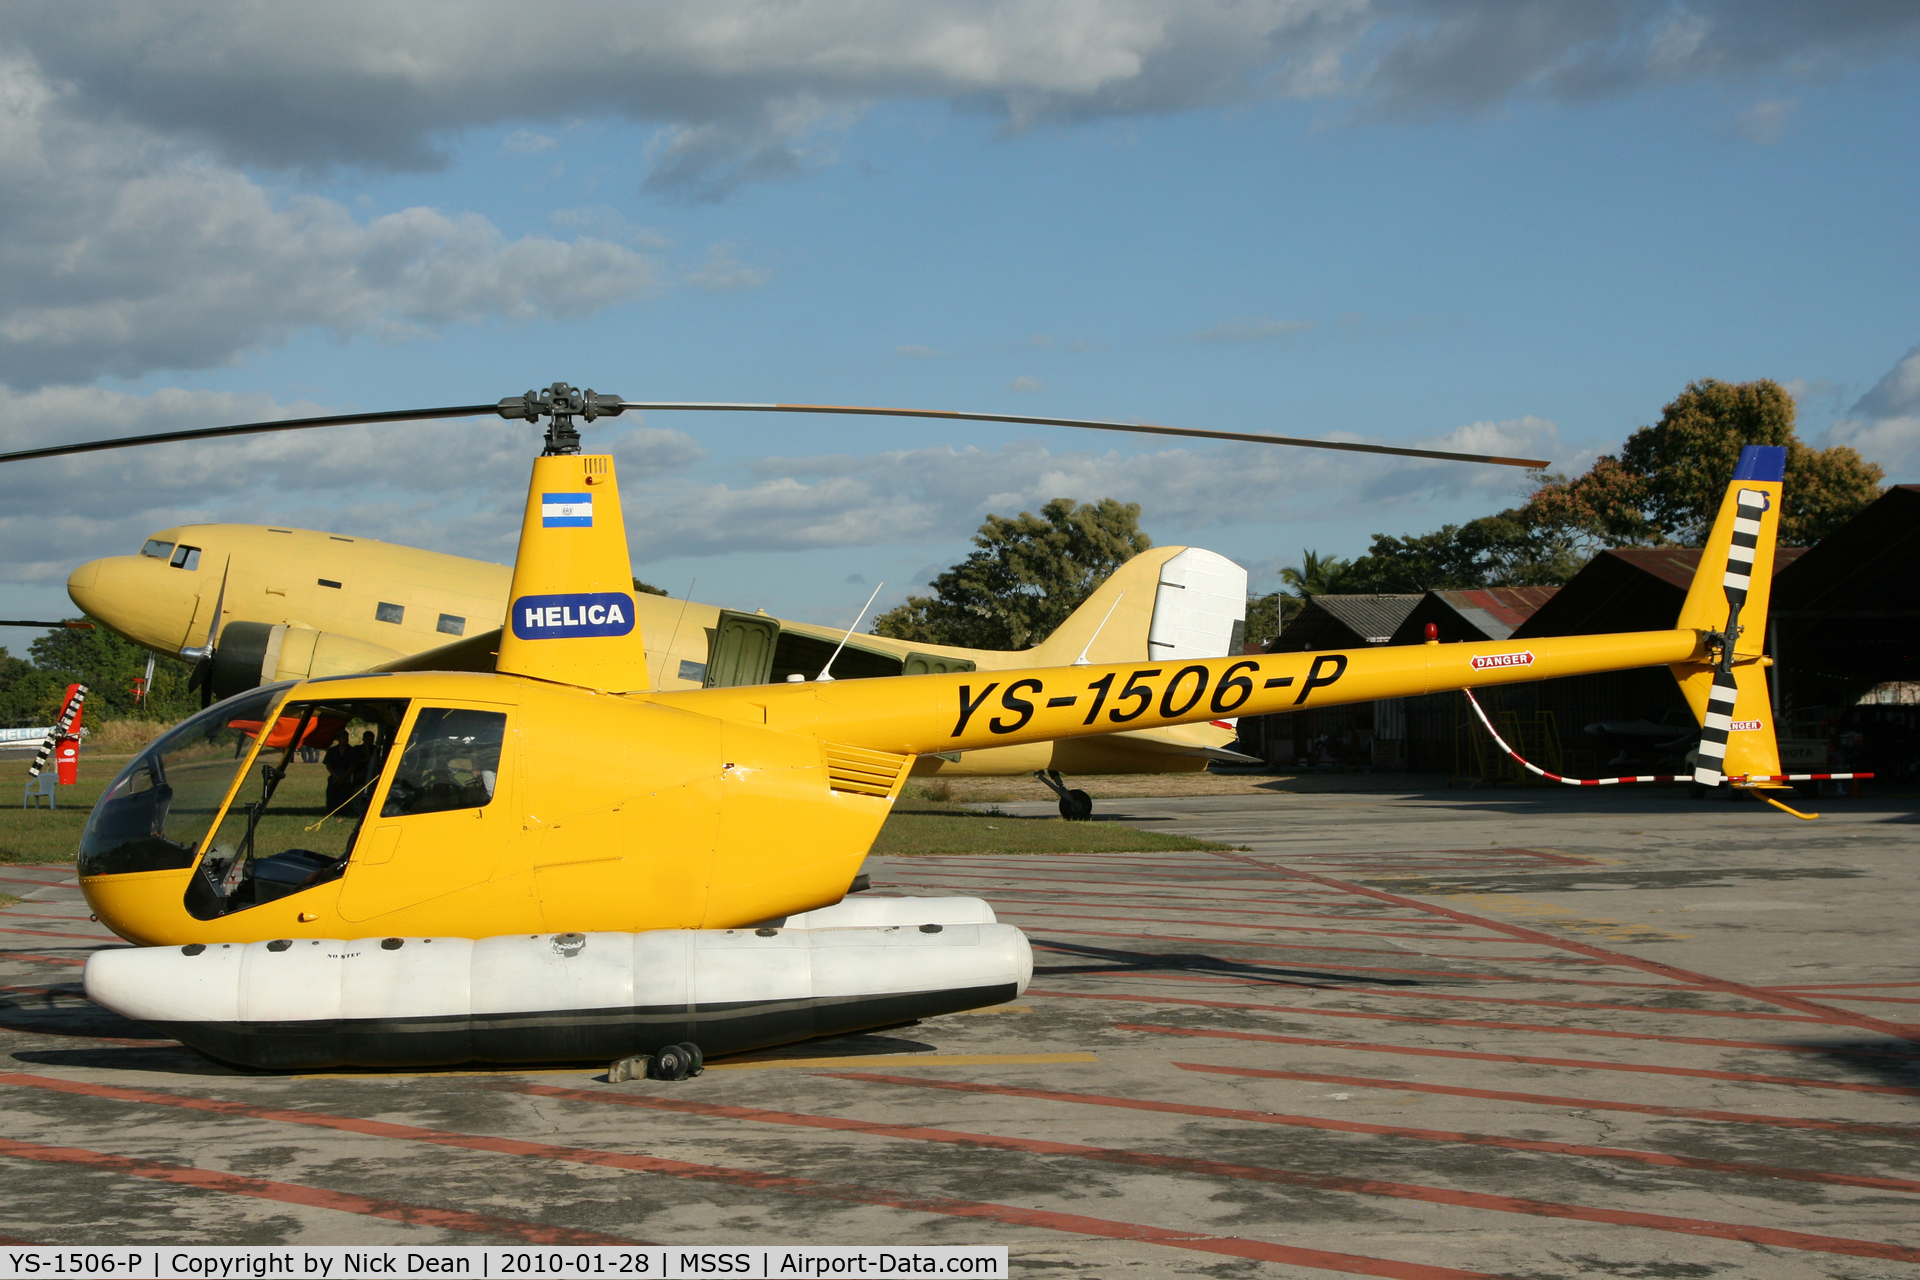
(1626, 589)
(1370, 618)
(1496, 611)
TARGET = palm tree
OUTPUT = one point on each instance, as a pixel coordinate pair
(1316, 575)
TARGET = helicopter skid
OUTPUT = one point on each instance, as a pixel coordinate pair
(567, 997)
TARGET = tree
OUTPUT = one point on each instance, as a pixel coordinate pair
(1665, 486)
(24, 689)
(1315, 575)
(1028, 575)
(1268, 616)
(647, 588)
(108, 665)
(1513, 548)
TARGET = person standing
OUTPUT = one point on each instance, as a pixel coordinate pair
(338, 762)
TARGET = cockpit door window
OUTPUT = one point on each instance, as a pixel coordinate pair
(294, 823)
(451, 761)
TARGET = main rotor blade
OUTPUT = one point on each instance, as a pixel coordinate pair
(488, 410)
(70, 626)
(1093, 424)
(251, 428)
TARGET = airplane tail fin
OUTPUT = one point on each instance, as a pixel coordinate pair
(1165, 604)
(1728, 602)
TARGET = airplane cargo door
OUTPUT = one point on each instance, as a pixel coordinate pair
(742, 650)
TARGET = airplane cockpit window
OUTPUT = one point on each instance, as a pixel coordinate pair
(155, 814)
(185, 557)
(452, 761)
(292, 824)
(157, 549)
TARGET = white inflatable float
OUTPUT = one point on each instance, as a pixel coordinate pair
(568, 997)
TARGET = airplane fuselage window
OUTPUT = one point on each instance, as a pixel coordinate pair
(453, 626)
(185, 557)
(384, 612)
(157, 549)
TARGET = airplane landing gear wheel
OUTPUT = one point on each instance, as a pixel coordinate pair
(676, 1062)
(1075, 806)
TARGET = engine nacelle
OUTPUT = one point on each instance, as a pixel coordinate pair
(257, 653)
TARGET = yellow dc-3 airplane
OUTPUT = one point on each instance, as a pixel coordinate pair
(553, 861)
(254, 604)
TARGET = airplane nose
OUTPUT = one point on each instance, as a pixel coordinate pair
(82, 585)
(127, 594)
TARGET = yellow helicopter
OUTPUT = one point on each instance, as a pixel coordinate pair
(553, 861)
(254, 604)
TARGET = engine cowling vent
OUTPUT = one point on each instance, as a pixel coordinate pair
(862, 771)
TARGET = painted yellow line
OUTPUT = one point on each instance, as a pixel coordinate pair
(911, 1060)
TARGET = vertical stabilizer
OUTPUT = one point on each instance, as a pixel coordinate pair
(1728, 600)
(1199, 607)
(570, 612)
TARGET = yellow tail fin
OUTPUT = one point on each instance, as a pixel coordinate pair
(570, 613)
(1728, 600)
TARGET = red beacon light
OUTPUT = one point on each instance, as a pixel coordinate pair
(1433, 633)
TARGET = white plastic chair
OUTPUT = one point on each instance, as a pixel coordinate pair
(41, 786)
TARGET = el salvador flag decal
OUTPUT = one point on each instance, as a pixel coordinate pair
(566, 511)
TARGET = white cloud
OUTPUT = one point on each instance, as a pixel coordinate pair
(605, 222)
(724, 273)
(746, 91)
(1884, 424)
(931, 495)
(122, 252)
(1025, 384)
(525, 142)
(1763, 122)
(1252, 330)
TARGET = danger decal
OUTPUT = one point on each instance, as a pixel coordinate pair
(1493, 661)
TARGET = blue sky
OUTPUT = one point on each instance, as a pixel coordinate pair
(1404, 226)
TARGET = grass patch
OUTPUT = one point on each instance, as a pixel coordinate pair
(927, 826)
(41, 836)
(928, 819)
(8, 900)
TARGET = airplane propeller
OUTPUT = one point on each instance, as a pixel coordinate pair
(562, 403)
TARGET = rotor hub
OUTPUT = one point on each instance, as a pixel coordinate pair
(560, 404)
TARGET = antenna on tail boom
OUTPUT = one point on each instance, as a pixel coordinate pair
(826, 672)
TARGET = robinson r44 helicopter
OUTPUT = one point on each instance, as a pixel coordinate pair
(551, 862)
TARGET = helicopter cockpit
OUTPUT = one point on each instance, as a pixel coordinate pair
(153, 816)
(316, 768)
(298, 799)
